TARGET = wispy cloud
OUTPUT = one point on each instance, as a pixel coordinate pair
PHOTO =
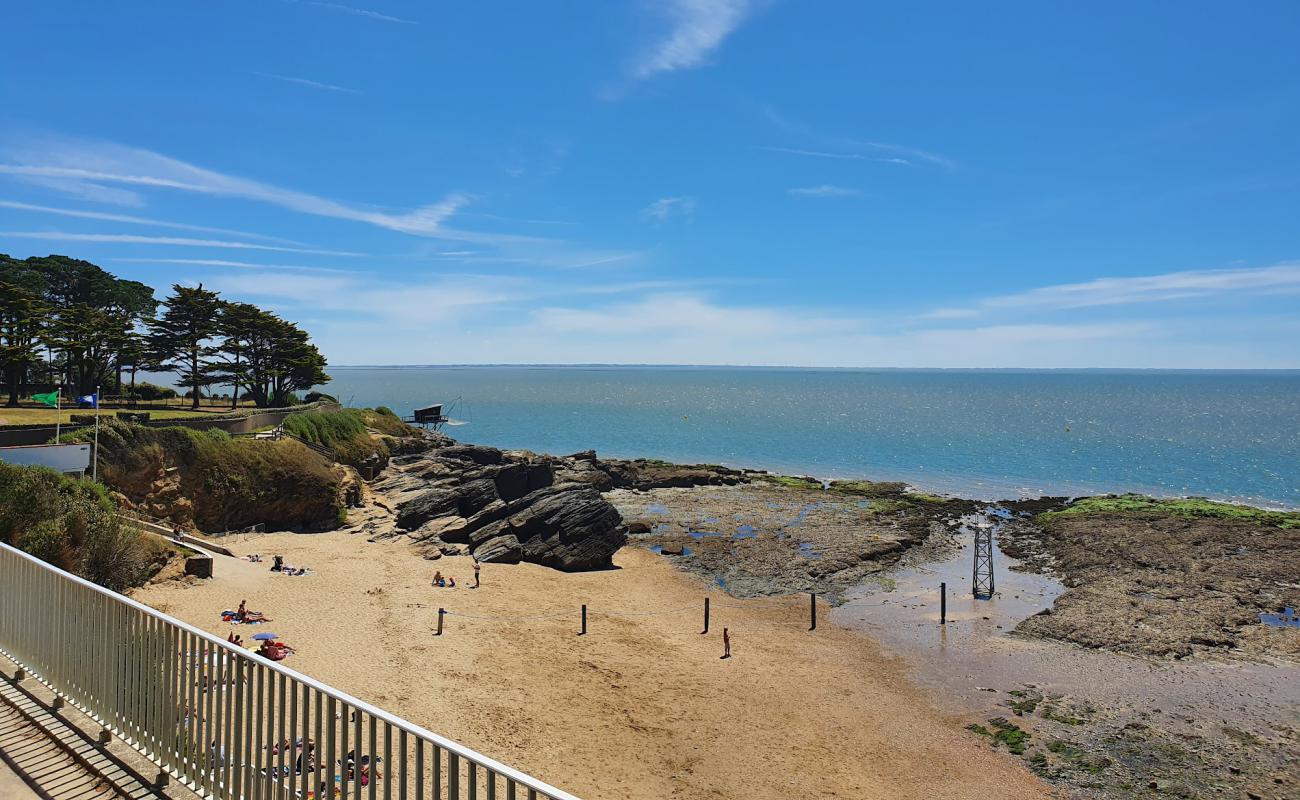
(823, 154)
(83, 162)
(666, 208)
(522, 220)
(360, 12)
(1161, 288)
(216, 262)
(914, 153)
(88, 190)
(824, 190)
(561, 258)
(698, 28)
(157, 223)
(126, 238)
(329, 87)
(842, 147)
(412, 305)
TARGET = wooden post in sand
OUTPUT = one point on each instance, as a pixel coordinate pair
(943, 603)
(583, 632)
(812, 609)
(441, 613)
(706, 617)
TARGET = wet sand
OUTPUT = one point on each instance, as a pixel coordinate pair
(641, 707)
(974, 652)
(1103, 723)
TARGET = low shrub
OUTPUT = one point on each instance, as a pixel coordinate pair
(316, 397)
(389, 423)
(347, 433)
(73, 525)
(327, 429)
(152, 391)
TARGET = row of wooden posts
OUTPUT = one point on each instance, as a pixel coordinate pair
(812, 612)
(812, 616)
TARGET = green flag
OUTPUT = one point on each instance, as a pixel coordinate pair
(51, 399)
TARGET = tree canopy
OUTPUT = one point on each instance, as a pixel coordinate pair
(67, 321)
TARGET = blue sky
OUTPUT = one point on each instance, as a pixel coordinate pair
(1016, 184)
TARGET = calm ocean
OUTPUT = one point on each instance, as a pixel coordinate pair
(983, 434)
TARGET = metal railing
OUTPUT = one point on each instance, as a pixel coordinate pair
(225, 722)
(327, 452)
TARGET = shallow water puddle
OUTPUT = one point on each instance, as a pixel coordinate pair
(1287, 618)
(656, 508)
(807, 551)
(658, 548)
(974, 650)
(745, 531)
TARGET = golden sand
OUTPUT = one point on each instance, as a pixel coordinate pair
(640, 707)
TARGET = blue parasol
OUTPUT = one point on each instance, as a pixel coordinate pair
(266, 636)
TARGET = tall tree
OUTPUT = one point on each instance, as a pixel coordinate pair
(239, 324)
(22, 321)
(182, 337)
(133, 357)
(90, 316)
(276, 358)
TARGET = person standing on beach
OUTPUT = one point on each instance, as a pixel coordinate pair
(477, 567)
(726, 643)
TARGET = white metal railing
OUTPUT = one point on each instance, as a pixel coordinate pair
(217, 717)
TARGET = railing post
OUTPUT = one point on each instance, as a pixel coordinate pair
(943, 603)
(441, 612)
(812, 610)
(583, 632)
(706, 617)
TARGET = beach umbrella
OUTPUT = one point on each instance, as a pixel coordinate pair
(266, 636)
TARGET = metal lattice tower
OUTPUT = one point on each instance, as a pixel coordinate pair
(982, 576)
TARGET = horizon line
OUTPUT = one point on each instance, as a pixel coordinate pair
(808, 367)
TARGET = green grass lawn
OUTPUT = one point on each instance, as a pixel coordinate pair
(36, 414)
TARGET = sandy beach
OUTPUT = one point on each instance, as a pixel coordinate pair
(641, 707)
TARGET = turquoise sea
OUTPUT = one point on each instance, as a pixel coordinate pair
(986, 433)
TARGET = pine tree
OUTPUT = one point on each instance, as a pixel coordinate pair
(183, 337)
(22, 321)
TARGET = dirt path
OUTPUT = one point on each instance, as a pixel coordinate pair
(641, 707)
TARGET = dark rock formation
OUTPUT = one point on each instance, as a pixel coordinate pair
(642, 473)
(505, 506)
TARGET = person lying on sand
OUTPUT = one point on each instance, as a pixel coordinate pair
(276, 651)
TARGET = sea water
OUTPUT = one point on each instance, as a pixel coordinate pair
(981, 433)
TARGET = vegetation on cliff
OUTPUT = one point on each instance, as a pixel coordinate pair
(347, 433)
(216, 482)
(1195, 507)
(73, 525)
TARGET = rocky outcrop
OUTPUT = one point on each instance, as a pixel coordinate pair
(1161, 584)
(642, 473)
(506, 507)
